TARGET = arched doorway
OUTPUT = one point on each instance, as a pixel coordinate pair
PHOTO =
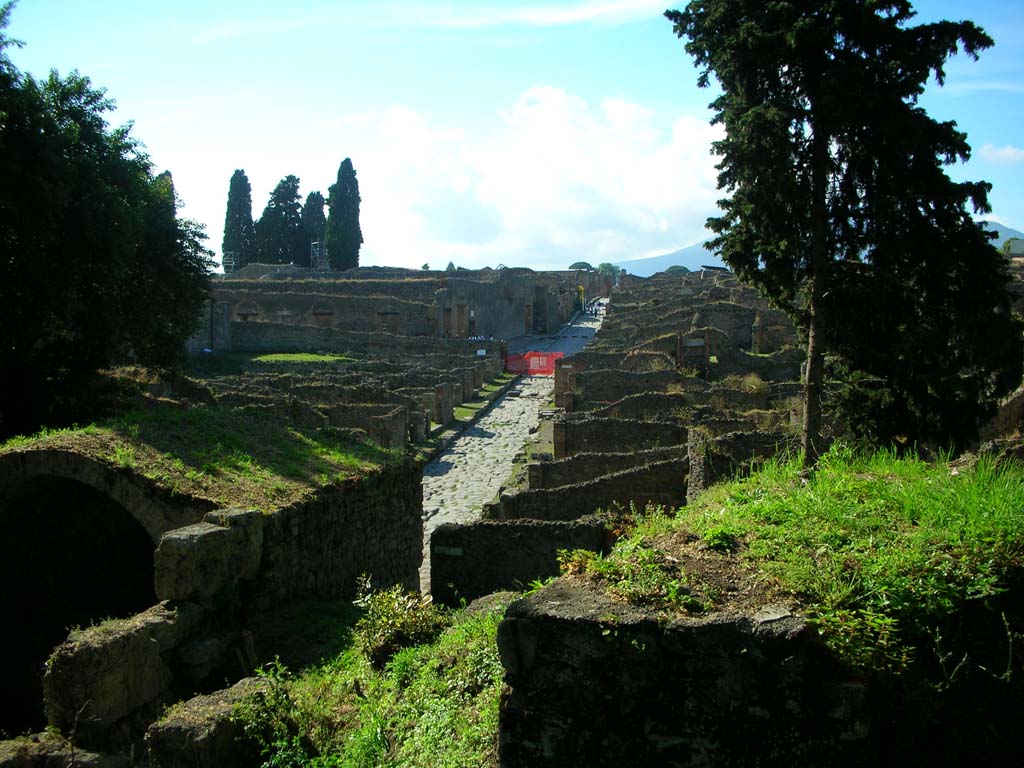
(69, 556)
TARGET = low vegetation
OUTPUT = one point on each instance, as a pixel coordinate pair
(888, 556)
(231, 456)
(433, 701)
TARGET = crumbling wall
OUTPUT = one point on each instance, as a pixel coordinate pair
(468, 561)
(583, 467)
(720, 458)
(611, 385)
(595, 682)
(595, 435)
(660, 483)
(112, 679)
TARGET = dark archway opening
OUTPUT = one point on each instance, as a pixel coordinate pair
(69, 556)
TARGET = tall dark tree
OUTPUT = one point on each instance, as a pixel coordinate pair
(343, 237)
(839, 207)
(94, 264)
(239, 231)
(278, 232)
(313, 222)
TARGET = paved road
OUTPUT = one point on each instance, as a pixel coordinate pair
(459, 481)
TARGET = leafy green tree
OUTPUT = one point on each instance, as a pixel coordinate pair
(95, 267)
(581, 265)
(239, 231)
(839, 201)
(278, 231)
(312, 223)
(607, 268)
(677, 269)
(450, 267)
(343, 237)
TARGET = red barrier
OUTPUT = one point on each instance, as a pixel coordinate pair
(533, 363)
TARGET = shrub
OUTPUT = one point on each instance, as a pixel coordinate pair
(395, 620)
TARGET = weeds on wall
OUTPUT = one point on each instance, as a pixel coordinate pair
(432, 703)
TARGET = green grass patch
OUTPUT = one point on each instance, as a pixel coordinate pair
(232, 456)
(887, 555)
(299, 357)
(434, 702)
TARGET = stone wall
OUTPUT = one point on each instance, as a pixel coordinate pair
(468, 561)
(583, 467)
(661, 483)
(645, 406)
(596, 682)
(155, 508)
(214, 331)
(611, 385)
(276, 337)
(112, 679)
(720, 458)
(595, 435)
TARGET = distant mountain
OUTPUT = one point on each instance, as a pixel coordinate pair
(692, 257)
(695, 256)
(1004, 233)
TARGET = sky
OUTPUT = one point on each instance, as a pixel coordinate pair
(482, 133)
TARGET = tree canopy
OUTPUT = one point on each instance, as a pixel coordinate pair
(840, 211)
(95, 266)
(343, 236)
(239, 231)
(312, 222)
(581, 265)
(278, 232)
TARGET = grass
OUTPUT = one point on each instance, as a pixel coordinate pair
(434, 702)
(299, 357)
(886, 554)
(236, 363)
(232, 457)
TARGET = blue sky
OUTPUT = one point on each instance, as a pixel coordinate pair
(521, 133)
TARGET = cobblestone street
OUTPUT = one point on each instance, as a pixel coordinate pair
(459, 481)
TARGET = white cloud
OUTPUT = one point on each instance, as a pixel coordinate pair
(558, 181)
(555, 180)
(1005, 155)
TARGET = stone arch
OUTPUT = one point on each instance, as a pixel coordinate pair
(70, 555)
(142, 499)
(247, 310)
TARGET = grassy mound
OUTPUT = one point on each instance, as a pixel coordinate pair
(230, 456)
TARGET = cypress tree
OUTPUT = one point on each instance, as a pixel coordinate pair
(277, 232)
(312, 224)
(239, 231)
(343, 236)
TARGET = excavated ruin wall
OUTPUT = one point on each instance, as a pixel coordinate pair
(468, 561)
(590, 466)
(109, 681)
(596, 682)
(645, 406)
(343, 312)
(275, 337)
(611, 385)
(595, 435)
(720, 458)
(661, 483)
(155, 508)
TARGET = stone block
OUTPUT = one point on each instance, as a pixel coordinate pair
(198, 561)
(201, 733)
(102, 674)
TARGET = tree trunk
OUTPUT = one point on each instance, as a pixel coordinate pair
(811, 440)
